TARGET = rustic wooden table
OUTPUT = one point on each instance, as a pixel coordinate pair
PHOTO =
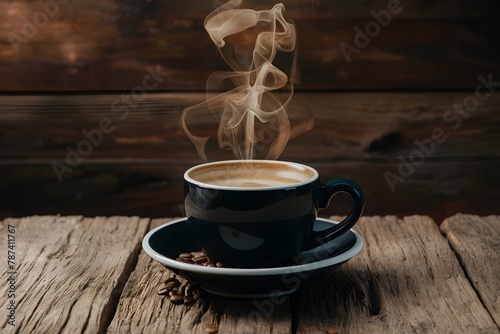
(76, 274)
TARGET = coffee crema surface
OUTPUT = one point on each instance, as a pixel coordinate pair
(252, 175)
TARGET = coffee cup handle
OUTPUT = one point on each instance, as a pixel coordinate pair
(326, 192)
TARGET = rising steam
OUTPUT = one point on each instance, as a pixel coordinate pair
(252, 119)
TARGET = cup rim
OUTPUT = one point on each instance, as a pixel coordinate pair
(221, 162)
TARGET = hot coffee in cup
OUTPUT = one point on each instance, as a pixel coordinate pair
(259, 213)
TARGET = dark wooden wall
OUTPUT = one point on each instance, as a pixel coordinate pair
(106, 44)
(368, 112)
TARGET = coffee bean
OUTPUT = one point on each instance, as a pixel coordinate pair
(170, 279)
(180, 259)
(219, 264)
(200, 259)
(177, 299)
(173, 284)
(186, 255)
(163, 291)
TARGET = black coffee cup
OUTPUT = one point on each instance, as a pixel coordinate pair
(260, 213)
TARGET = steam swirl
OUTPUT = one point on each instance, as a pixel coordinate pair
(253, 119)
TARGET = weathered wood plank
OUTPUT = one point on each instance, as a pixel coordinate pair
(476, 241)
(141, 310)
(70, 271)
(405, 280)
(107, 45)
(347, 125)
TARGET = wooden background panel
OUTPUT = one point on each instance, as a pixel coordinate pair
(347, 126)
(107, 45)
(138, 167)
(154, 189)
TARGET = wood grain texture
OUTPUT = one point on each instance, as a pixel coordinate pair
(347, 126)
(108, 45)
(405, 280)
(142, 310)
(137, 168)
(476, 242)
(70, 271)
(89, 275)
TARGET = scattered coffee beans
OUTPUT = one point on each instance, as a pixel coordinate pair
(186, 292)
(179, 293)
(198, 258)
